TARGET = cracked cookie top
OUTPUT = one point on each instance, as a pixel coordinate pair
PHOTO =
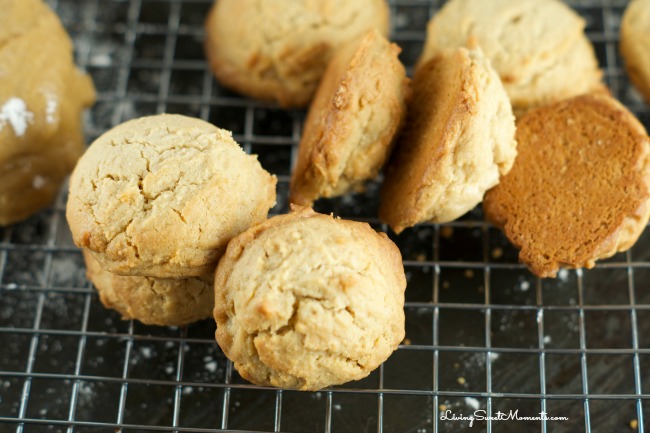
(356, 113)
(306, 301)
(161, 196)
(278, 49)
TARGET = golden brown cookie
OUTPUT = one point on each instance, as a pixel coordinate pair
(538, 47)
(579, 189)
(278, 49)
(42, 95)
(356, 113)
(153, 301)
(161, 196)
(457, 141)
(635, 44)
(306, 301)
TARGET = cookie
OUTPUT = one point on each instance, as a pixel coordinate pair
(356, 113)
(538, 47)
(161, 196)
(42, 96)
(278, 50)
(579, 189)
(306, 301)
(153, 301)
(635, 44)
(458, 140)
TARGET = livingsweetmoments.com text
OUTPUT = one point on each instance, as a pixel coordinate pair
(513, 415)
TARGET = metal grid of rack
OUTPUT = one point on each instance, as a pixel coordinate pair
(481, 331)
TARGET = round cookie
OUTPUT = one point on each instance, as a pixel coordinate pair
(579, 189)
(42, 95)
(635, 44)
(306, 301)
(153, 301)
(537, 47)
(356, 113)
(277, 49)
(161, 196)
(458, 140)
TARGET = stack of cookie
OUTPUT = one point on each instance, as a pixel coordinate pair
(154, 202)
(301, 300)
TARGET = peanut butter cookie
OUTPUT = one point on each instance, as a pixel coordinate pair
(161, 196)
(306, 301)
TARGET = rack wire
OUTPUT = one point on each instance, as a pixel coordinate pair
(481, 331)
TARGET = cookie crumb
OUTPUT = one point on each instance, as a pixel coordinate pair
(446, 285)
(442, 407)
(634, 424)
(461, 380)
(406, 342)
(497, 253)
(446, 232)
(421, 258)
(469, 273)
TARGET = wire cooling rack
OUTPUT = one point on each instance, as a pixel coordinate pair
(482, 333)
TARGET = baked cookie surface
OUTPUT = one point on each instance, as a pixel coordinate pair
(635, 44)
(306, 301)
(579, 189)
(42, 95)
(161, 196)
(537, 47)
(277, 49)
(457, 141)
(357, 111)
(153, 301)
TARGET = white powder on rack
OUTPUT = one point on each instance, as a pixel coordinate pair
(15, 112)
(472, 402)
(211, 366)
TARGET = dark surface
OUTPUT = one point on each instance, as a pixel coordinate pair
(66, 361)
